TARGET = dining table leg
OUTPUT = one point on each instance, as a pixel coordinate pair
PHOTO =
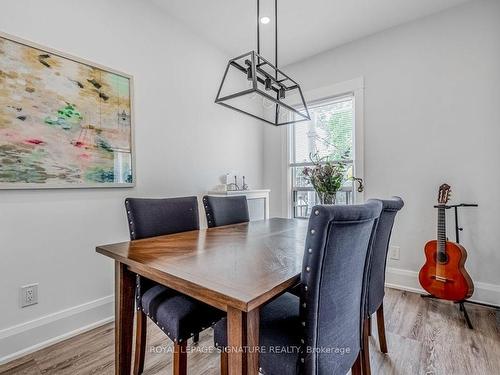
(243, 341)
(252, 334)
(124, 318)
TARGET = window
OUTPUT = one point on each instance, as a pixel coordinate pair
(329, 134)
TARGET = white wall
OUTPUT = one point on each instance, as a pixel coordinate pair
(183, 143)
(432, 114)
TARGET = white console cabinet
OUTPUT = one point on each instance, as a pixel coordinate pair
(258, 201)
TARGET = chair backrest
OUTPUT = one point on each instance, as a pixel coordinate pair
(390, 208)
(157, 217)
(225, 210)
(334, 276)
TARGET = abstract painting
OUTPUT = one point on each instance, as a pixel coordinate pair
(64, 122)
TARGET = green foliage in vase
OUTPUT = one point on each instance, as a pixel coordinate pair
(326, 176)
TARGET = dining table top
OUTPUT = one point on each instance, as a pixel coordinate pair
(239, 266)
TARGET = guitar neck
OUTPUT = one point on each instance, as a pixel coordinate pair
(441, 230)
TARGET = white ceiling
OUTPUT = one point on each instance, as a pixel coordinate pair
(306, 27)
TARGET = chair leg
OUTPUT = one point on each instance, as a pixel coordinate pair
(140, 342)
(196, 338)
(223, 363)
(381, 329)
(369, 325)
(356, 367)
(180, 359)
(365, 350)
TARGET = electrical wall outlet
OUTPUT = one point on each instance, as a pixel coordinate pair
(29, 295)
(394, 252)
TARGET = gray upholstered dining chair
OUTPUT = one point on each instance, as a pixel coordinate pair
(376, 291)
(325, 323)
(178, 315)
(225, 210)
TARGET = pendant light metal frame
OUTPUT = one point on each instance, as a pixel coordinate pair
(277, 83)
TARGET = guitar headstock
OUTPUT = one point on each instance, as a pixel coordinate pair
(444, 193)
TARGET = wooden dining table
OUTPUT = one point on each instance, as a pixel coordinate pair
(235, 268)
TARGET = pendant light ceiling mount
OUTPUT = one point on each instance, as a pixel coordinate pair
(254, 86)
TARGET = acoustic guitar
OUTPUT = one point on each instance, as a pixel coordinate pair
(443, 274)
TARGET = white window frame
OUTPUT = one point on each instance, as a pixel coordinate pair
(354, 88)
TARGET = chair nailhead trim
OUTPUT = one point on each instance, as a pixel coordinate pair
(310, 250)
(316, 212)
(308, 269)
(305, 288)
(313, 231)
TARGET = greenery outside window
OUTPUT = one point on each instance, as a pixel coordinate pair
(329, 134)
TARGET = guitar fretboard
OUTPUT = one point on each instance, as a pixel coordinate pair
(441, 230)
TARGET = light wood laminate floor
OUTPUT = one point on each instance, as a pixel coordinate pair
(424, 337)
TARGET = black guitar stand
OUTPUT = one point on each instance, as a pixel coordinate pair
(458, 229)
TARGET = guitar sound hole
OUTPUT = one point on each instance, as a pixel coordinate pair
(442, 257)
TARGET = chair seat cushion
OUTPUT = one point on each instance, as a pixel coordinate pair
(178, 315)
(279, 335)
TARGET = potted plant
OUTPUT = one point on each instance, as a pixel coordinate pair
(326, 177)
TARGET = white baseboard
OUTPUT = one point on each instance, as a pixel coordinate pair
(408, 280)
(28, 337)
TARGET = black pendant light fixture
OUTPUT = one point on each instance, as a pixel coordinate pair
(254, 86)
